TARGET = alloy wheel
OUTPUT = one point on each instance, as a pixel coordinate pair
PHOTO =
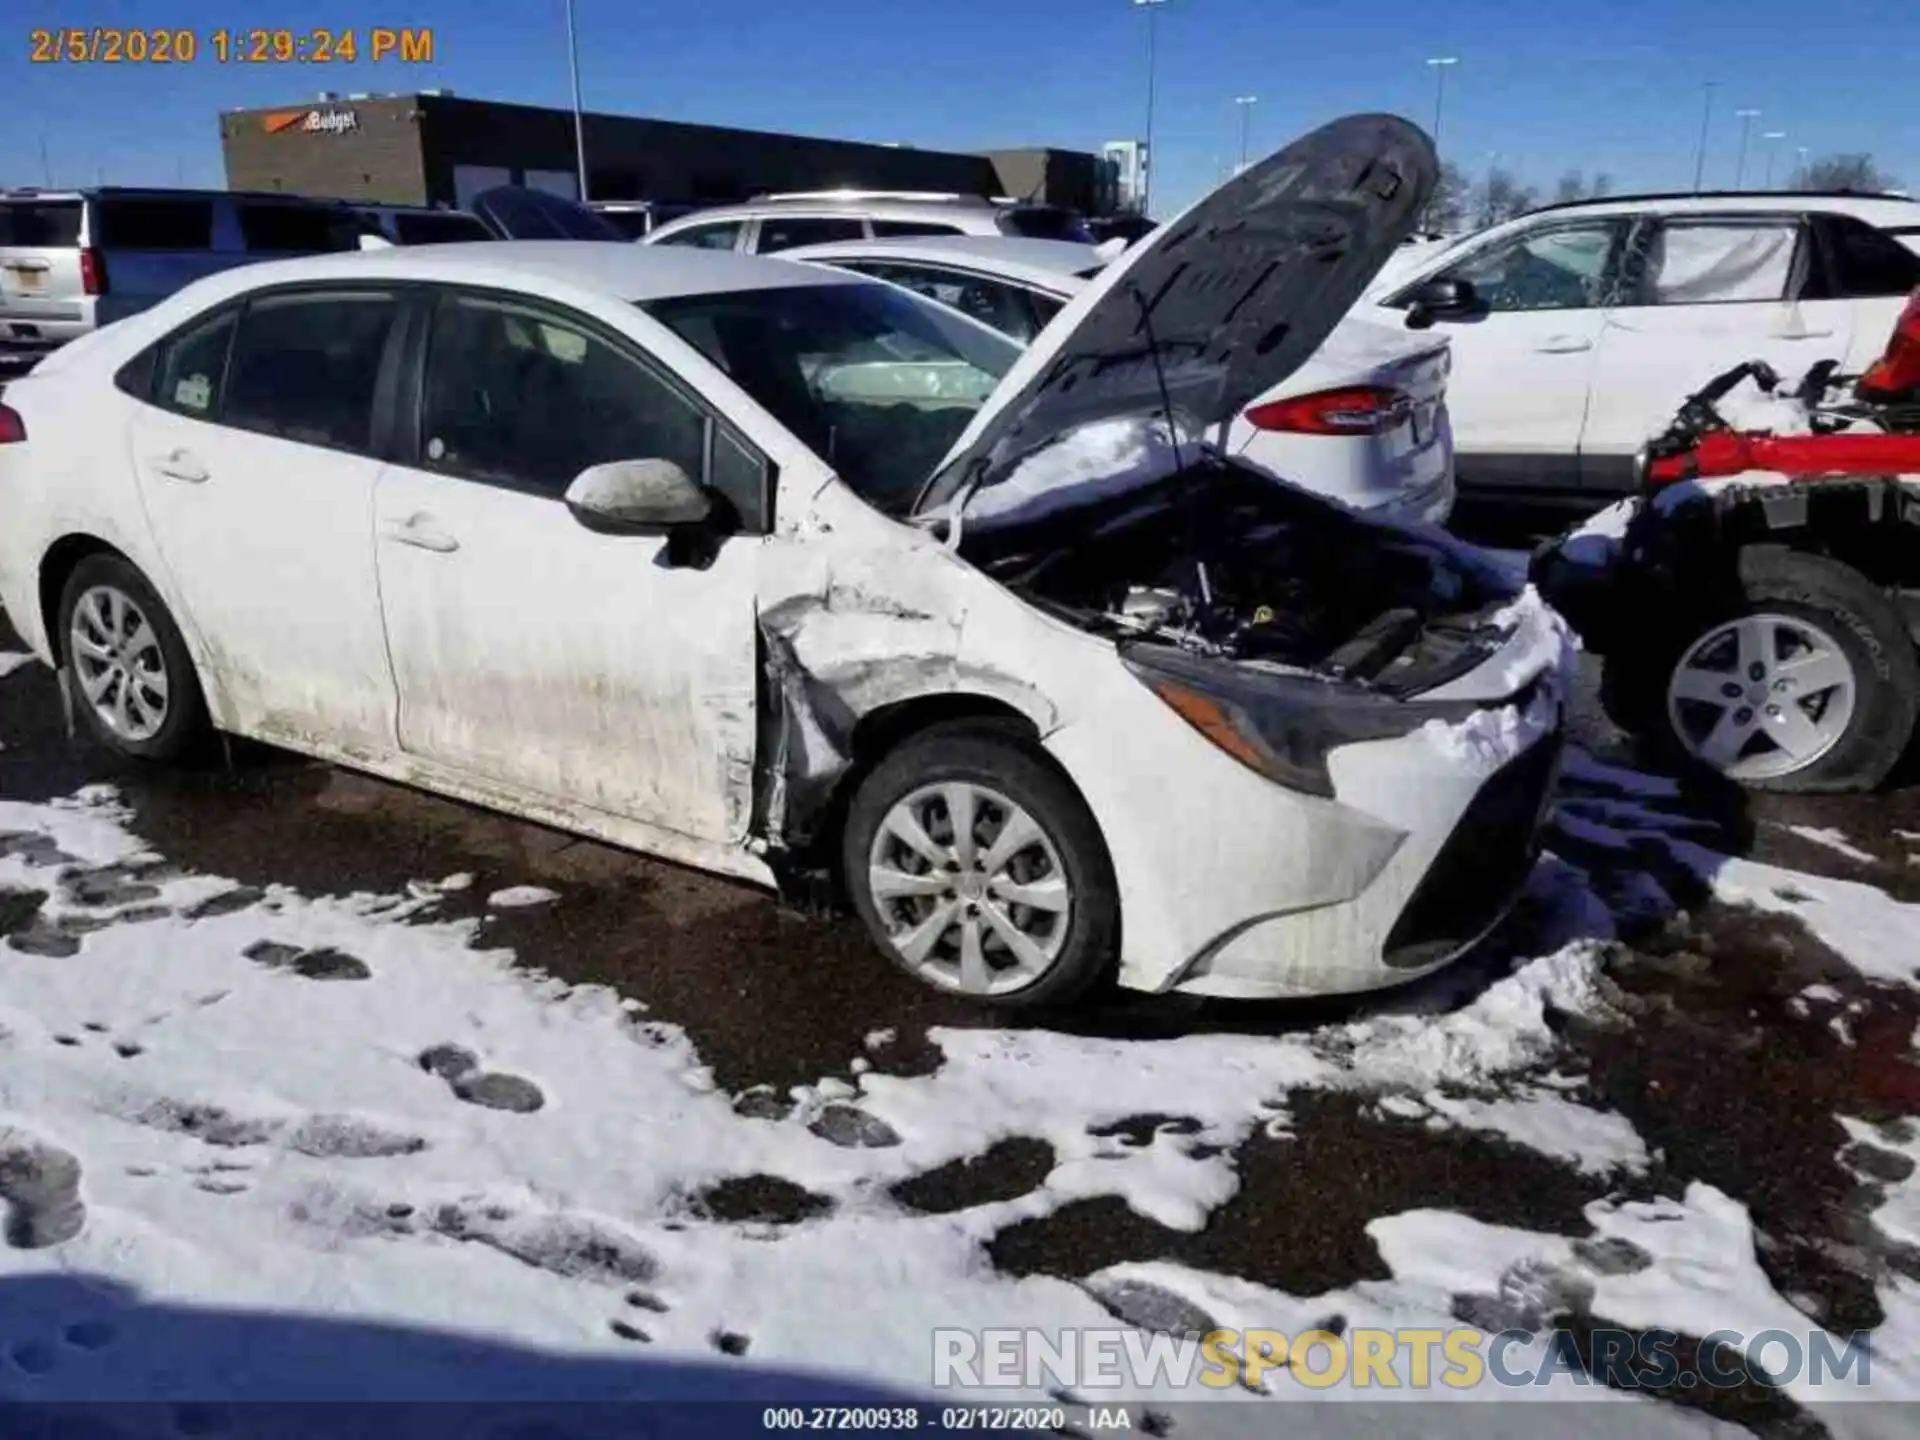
(1762, 696)
(118, 663)
(970, 888)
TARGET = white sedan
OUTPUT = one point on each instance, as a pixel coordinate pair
(1364, 421)
(763, 568)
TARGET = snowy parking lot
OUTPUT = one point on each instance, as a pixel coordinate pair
(313, 1086)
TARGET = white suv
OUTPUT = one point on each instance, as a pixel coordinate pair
(1577, 329)
(786, 222)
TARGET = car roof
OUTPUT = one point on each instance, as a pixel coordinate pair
(967, 210)
(618, 269)
(1880, 210)
(1034, 262)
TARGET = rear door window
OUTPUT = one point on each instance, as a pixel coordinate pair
(1715, 262)
(39, 224)
(154, 223)
(304, 367)
(903, 229)
(192, 366)
(431, 229)
(291, 229)
(781, 232)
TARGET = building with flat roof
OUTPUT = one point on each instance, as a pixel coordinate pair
(435, 147)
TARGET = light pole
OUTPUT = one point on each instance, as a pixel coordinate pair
(1746, 117)
(1146, 164)
(1801, 174)
(579, 126)
(1773, 139)
(1246, 104)
(1706, 122)
(1441, 64)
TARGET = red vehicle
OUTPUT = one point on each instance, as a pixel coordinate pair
(1768, 630)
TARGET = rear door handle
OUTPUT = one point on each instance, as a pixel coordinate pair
(1563, 345)
(420, 532)
(181, 465)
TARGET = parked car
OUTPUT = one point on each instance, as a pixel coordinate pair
(786, 222)
(637, 219)
(419, 225)
(763, 568)
(74, 260)
(1578, 328)
(1364, 421)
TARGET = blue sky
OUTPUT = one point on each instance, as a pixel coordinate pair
(1614, 87)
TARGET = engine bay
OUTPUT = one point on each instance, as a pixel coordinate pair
(1221, 560)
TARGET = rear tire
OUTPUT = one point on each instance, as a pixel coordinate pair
(1806, 681)
(131, 679)
(1019, 912)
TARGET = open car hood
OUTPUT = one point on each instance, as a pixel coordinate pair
(1210, 310)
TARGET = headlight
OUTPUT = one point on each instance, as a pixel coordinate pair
(1282, 726)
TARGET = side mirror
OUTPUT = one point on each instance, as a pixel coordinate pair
(638, 497)
(1442, 300)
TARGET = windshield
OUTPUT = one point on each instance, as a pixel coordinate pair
(878, 382)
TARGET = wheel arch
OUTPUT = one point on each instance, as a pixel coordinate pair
(1871, 526)
(57, 565)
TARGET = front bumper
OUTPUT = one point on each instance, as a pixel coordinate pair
(1471, 843)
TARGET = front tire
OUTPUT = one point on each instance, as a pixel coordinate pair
(979, 871)
(1806, 681)
(129, 673)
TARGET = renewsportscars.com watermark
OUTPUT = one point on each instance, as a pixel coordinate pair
(1459, 1358)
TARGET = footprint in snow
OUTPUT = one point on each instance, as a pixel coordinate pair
(39, 851)
(495, 1090)
(109, 887)
(326, 1137)
(227, 902)
(40, 1184)
(325, 963)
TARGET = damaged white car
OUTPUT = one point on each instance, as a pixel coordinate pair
(769, 570)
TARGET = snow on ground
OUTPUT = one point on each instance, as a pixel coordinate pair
(12, 660)
(518, 897)
(264, 1104)
(1834, 840)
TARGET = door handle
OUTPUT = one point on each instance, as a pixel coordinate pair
(1803, 334)
(1563, 345)
(181, 465)
(419, 532)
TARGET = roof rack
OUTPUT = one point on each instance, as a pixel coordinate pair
(930, 196)
(1724, 195)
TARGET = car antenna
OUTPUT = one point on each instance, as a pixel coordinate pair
(1188, 495)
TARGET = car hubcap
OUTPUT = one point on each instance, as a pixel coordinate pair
(970, 888)
(1762, 696)
(118, 663)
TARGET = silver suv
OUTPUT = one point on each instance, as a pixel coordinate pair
(74, 260)
(786, 222)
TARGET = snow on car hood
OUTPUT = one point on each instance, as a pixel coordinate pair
(1212, 309)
